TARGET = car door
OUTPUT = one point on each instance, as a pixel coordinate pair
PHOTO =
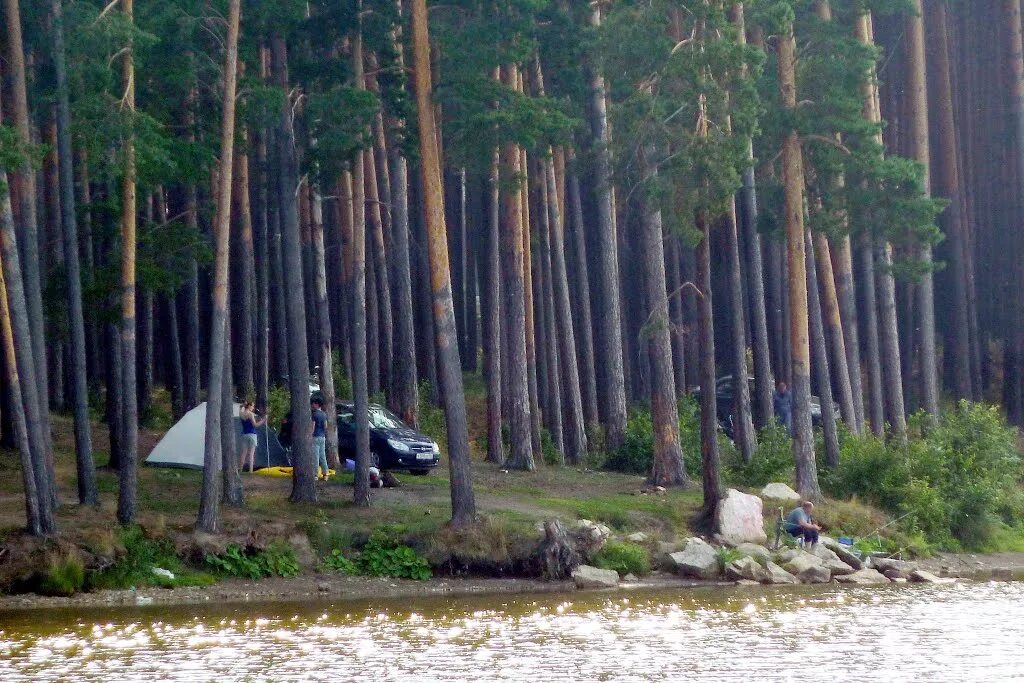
(346, 434)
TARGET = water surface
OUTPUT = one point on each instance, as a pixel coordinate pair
(962, 632)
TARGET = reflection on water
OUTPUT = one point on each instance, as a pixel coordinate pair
(950, 633)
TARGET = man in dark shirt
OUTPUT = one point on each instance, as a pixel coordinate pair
(319, 419)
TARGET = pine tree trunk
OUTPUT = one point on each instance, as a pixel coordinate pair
(711, 467)
(821, 361)
(793, 184)
(218, 382)
(193, 365)
(262, 257)
(380, 275)
(176, 379)
(876, 403)
(28, 236)
(244, 319)
(613, 386)
(113, 395)
(87, 494)
(304, 472)
(832, 319)
(763, 384)
(324, 321)
(551, 337)
(128, 490)
(925, 290)
(585, 331)
(278, 316)
(847, 294)
(492, 325)
(743, 426)
(234, 495)
(950, 187)
(449, 369)
(667, 468)
(24, 405)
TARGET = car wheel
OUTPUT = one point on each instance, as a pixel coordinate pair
(419, 472)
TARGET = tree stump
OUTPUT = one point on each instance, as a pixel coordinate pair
(558, 555)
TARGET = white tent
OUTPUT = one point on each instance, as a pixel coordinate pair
(184, 444)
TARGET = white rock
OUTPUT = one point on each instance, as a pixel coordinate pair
(863, 577)
(747, 568)
(754, 550)
(630, 578)
(698, 559)
(831, 561)
(843, 552)
(638, 537)
(814, 575)
(586, 576)
(163, 573)
(779, 491)
(808, 568)
(777, 574)
(921, 576)
(739, 518)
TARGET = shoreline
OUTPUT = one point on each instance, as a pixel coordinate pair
(340, 588)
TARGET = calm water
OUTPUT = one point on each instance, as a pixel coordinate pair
(948, 633)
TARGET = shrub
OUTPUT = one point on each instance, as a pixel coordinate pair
(134, 567)
(278, 559)
(955, 483)
(64, 577)
(773, 460)
(625, 558)
(385, 555)
(636, 454)
(337, 561)
(432, 421)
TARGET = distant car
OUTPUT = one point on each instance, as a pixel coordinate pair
(724, 399)
(393, 444)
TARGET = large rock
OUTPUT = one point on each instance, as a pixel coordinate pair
(754, 550)
(698, 560)
(921, 576)
(844, 553)
(863, 577)
(779, 491)
(747, 568)
(590, 537)
(739, 518)
(586, 576)
(777, 574)
(831, 561)
(884, 564)
(808, 568)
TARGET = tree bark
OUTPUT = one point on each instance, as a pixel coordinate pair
(304, 472)
(233, 493)
(925, 290)
(324, 321)
(585, 331)
(711, 467)
(793, 184)
(262, 258)
(128, 490)
(492, 325)
(613, 387)
(821, 362)
(218, 384)
(87, 494)
(743, 426)
(244, 319)
(449, 369)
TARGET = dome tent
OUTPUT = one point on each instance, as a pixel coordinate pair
(184, 444)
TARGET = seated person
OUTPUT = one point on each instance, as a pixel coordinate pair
(800, 524)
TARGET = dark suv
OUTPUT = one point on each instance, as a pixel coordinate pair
(393, 444)
(724, 396)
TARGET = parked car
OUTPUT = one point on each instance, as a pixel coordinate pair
(393, 444)
(724, 396)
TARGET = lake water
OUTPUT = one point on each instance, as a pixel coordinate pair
(961, 632)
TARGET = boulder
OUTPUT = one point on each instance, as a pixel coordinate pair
(698, 560)
(786, 554)
(779, 491)
(863, 577)
(844, 553)
(814, 575)
(808, 568)
(831, 561)
(884, 563)
(739, 518)
(638, 537)
(754, 550)
(586, 576)
(921, 576)
(798, 561)
(590, 537)
(777, 574)
(630, 578)
(895, 574)
(747, 568)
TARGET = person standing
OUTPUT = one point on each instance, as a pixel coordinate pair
(782, 404)
(250, 422)
(320, 436)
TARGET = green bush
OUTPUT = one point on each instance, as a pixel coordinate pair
(636, 454)
(278, 559)
(432, 421)
(625, 558)
(134, 567)
(337, 561)
(385, 555)
(64, 577)
(773, 460)
(957, 483)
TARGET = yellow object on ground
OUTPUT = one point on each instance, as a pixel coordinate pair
(283, 471)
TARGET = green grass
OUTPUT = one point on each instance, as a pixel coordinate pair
(625, 512)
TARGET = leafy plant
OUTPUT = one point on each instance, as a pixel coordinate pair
(337, 561)
(385, 555)
(65, 576)
(625, 558)
(134, 566)
(278, 559)
(773, 460)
